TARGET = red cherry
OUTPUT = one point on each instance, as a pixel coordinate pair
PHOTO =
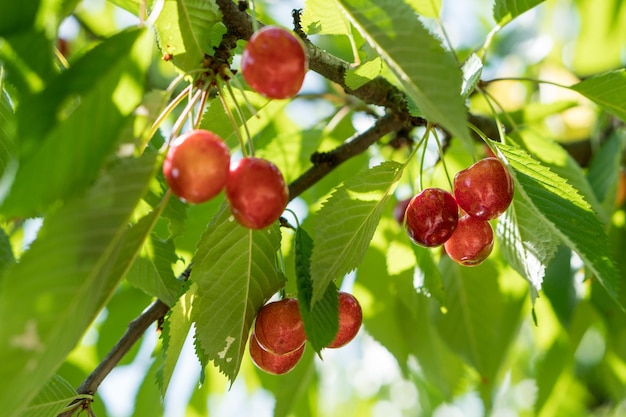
(431, 217)
(257, 192)
(279, 328)
(472, 241)
(270, 362)
(484, 190)
(400, 209)
(274, 62)
(196, 166)
(350, 319)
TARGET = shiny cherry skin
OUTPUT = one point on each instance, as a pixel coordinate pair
(196, 166)
(257, 192)
(472, 241)
(431, 217)
(279, 328)
(484, 190)
(350, 319)
(270, 362)
(274, 62)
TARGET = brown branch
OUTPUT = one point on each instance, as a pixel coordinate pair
(378, 92)
(323, 163)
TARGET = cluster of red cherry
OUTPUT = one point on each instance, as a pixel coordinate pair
(482, 192)
(197, 166)
(278, 339)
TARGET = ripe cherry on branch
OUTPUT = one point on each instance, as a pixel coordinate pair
(350, 319)
(274, 62)
(431, 217)
(196, 166)
(257, 192)
(484, 190)
(270, 362)
(472, 241)
(279, 328)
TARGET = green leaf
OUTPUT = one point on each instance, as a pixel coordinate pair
(27, 71)
(558, 160)
(480, 321)
(8, 138)
(563, 212)
(6, 252)
(506, 10)
(472, 70)
(59, 158)
(321, 321)
(347, 222)
(364, 73)
(607, 91)
(125, 305)
(324, 17)
(176, 327)
(559, 285)
(603, 173)
(132, 6)
(189, 29)
(152, 270)
(526, 242)
(427, 8)
(427, 71)
(431, 280)
(52, 399)
(66, 276)
(293, 391)
(236, 273)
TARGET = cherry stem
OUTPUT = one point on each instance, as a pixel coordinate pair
(523, 79)
(232, 77)
(168, 109)
(242, 118)
(205, 94)
(295, 216)
(180, 121)
(442, 157)
(233, 122)
(489, 98)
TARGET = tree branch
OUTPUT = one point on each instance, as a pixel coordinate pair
(379, 92)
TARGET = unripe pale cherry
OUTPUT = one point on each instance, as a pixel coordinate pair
(472, 241)
(484, 190)
(274, 62)
(279, 328)
(350, 319)
(431, 217)
(270, 362)
(257, 192)
(196, 166)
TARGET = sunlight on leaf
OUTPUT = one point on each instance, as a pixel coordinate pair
(189, 29)
(607, 91)
(176, 327)
(52, 399)
(68, 273)
(324, 17)
(347, 224)
(428, 72)
(564, 213)
(506, 10)
(321, 322)
(236, 272)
